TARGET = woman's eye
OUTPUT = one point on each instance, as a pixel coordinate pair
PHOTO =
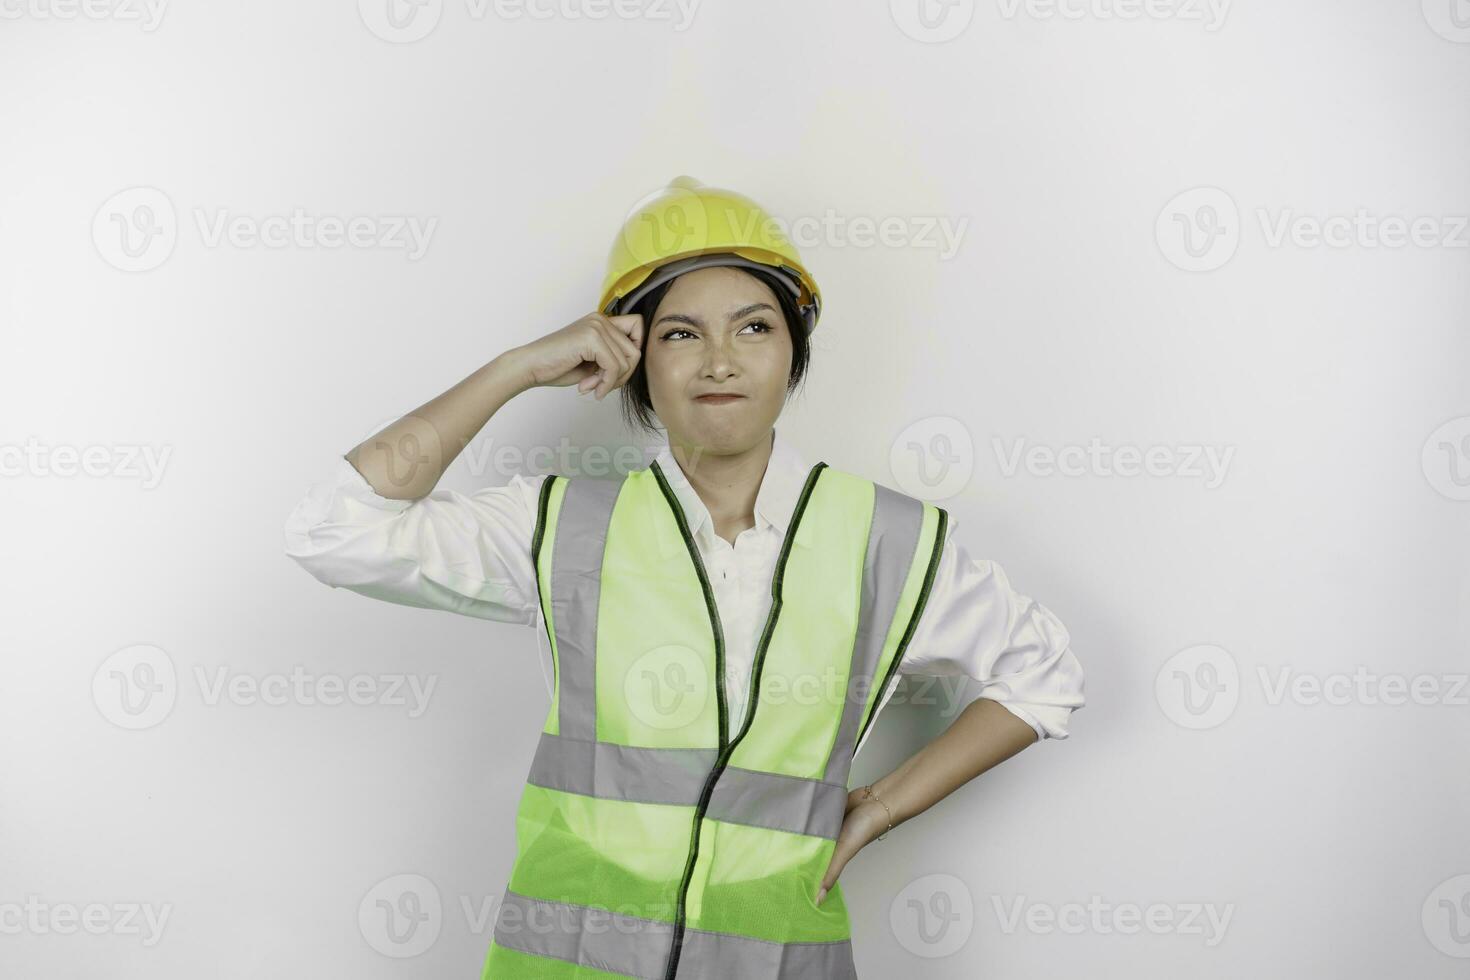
(676, 330)
(760, 323)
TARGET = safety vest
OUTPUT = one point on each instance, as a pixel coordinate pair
(656, 836)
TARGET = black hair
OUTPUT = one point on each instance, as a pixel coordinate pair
(637, 406)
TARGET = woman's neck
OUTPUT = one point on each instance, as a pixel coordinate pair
(727, 483)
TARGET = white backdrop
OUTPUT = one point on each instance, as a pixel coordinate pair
(1165, 302)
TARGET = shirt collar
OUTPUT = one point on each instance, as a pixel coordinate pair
(775, 501)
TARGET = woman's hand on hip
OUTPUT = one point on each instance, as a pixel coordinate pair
(864, 820)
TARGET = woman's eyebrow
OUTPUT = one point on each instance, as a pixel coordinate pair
(695, 321)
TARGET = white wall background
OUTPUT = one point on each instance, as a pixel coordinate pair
(1262, 831)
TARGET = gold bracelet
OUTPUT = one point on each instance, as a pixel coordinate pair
(868, 795)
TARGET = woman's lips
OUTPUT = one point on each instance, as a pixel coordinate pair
(718, 399)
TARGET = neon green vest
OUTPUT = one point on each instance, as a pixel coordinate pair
(656, 836)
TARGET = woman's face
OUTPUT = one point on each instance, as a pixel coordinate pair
(718, 330)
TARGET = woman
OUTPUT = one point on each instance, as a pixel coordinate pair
(724, 624)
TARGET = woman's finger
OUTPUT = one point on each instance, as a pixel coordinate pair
(626, 332)
(610, 358)
(618, 340)
(608, 364)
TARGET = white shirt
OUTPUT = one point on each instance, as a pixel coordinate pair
(471, 554)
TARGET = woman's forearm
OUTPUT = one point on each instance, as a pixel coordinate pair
(983, 736)
(406, 460)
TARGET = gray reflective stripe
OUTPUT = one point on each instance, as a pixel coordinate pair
(893, 540)
(590, 937)
(639, 947)
(576, 564)
(779, 802)
(676, 776)
(620, 772)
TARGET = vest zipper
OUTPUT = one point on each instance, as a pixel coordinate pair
(726, 749)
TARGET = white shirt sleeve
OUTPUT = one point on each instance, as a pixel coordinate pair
(469, 554)
(975, 624)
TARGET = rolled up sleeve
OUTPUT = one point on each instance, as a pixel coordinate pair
(462, 553)
(976, 624)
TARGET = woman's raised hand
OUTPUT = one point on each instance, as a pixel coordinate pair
(604, 348)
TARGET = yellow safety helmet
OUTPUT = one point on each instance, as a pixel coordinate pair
(688, 226)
